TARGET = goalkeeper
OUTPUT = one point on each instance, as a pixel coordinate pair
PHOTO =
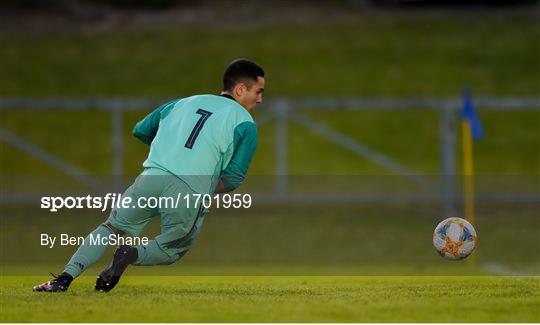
(200, 144)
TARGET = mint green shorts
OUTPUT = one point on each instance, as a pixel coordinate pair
(180, 225)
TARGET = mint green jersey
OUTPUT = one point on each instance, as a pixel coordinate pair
(200, 139)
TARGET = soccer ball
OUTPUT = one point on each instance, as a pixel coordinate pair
(454, 238)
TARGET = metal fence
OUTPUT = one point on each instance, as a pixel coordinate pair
(282, 110)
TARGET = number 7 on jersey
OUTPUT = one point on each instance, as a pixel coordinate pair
(195, 132)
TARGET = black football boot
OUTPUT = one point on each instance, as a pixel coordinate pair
(57, 284)
(123, 256)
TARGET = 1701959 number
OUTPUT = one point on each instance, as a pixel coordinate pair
(226, 200)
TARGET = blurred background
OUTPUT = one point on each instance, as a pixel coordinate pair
(360, 134)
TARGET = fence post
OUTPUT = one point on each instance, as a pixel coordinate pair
(447, 127)
(117, 146)
(281, 110)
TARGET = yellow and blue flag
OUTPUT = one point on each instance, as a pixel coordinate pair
(468, 114)
(472, 131)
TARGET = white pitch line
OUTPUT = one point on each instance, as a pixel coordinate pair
(500, 269)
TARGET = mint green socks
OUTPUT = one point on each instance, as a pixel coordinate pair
(89, 252)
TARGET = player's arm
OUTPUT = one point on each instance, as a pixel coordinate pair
(146, 129)
(245, 143)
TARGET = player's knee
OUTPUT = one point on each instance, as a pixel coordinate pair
(174, 251)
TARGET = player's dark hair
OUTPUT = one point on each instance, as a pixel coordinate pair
(238, 70)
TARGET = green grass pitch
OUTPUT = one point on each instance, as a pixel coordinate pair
(279, 299)
(386, 55)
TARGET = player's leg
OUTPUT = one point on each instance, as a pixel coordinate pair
(131, 221)
(124, 255)
(91, 251)
(167, 248)
(179, 227)
(179, 231)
